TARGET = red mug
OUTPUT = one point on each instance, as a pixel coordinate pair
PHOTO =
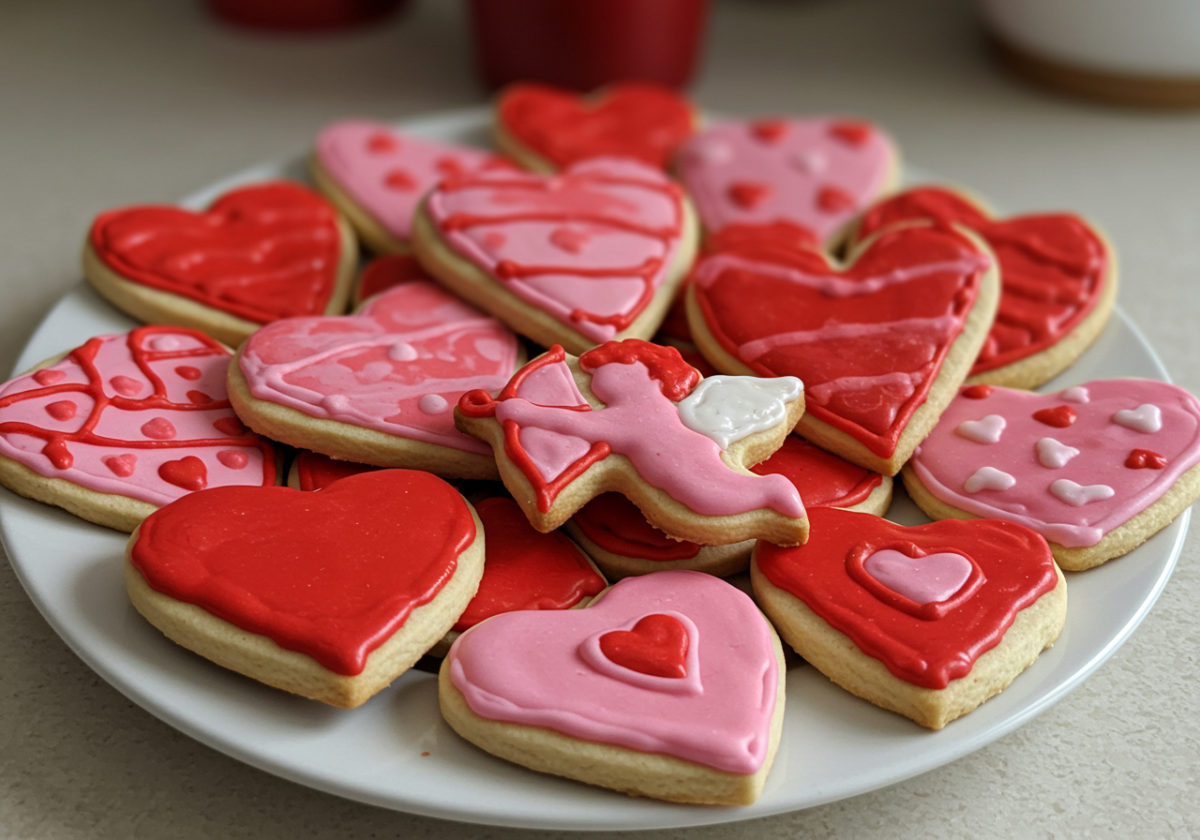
(584, 44)
(302, 15)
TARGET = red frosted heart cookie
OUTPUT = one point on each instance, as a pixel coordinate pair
(257, 254)
(928, 621)
(881, 342)
(1058, 278)
(617, 536)
(331, 595)
(547, 128)
(377, 176)
(815, 173)
(577, 259)
(125, 424)
(633, 417)
(1096, 468)
(378, 387)
(669, 685)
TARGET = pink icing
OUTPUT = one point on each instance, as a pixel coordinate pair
(386, 172)
(131, 418)
(639, 422)
(1091, 493)
(538, 669)
(923, 580)
(589, 246)
(398, 367)
(807, 173)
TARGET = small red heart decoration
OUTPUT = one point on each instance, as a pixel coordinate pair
(1143, 459)
(188, 472)
(657, 645)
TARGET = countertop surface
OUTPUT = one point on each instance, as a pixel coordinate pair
(126, 102)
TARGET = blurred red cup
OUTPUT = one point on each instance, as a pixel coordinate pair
(584, 44)
(302, 15)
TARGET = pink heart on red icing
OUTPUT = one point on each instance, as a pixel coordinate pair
(923, 580)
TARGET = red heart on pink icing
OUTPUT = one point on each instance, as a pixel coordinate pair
(657, 645)
(398, 367)
(188, 472)
(628, 221)
(545, 668)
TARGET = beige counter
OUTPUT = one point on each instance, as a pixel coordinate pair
(104, 104)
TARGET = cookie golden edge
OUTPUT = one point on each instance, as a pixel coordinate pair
(835, 655)
(258, 657)
(371, 232)
(1116, 543)
(621, 769)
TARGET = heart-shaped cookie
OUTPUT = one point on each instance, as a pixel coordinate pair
(548, 128)
(633, 417)
(928, 621)
(880, 343)
(1095, 468)
(378, 387)
(816, 173)
(1058, 280)
(668, 685)
(377, 176)
(258, 254)
(125, 424)
(331, 595)
(576, 259)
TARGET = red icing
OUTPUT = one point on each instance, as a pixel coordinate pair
(1014, 562)
(316, 471)
(977, 392)
(657, 645)
(1142, 459)
(866, 384)
(301, 568)
(233, 458)
(62, 410)
(198, 397)
(260, 253)
(1052, 269)
(188, 372)
(835, 200)
(46, 376)
(188, 472)
(399, 179)
(526, 570)
(783, 233)
(769, 131)
(748, 195)
(675, 377)
(931, 611)
(159, 431)
(824, 480)
(850, 132)
(1059, 417)
(388, 271)
(126, 386)
(383, 143)
(640, 121)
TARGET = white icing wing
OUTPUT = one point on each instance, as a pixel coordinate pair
(729, 408)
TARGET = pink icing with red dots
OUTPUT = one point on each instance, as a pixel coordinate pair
(1071, 482)
(114, 417)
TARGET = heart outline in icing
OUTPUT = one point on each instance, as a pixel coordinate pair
(931, 611)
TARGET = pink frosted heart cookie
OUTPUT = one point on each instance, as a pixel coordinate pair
(592, 254)
(815, 172)
(377, 176)
(669, 685)
(1096, 468)
(378, 387)
(634, 418)
(124, 424)
(928, 621)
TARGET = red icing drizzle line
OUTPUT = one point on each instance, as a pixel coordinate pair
(526, 570)
(1016, 567)
(867, 358)
(647, 271)
(1052, 269)
(300, 568)
(260, 253)
(57, 448)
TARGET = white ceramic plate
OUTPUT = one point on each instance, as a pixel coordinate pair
(397, 753)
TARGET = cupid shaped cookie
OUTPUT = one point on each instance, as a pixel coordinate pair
(635, 418)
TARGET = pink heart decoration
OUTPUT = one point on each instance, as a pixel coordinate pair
(544, 668)
(815, 172)
(922, 580)
(590, 246)
(398, 367)
(1080, 484)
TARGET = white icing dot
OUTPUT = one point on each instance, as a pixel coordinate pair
(402, 351)
(166, 343)
(1079, 495)
(433, 404)
(1075, 394)
(336, 403)
(1054, 455)
(809, 162)
(712, 151)
(1146, 418)
(729, 408)
(986, 430)
(989, 478)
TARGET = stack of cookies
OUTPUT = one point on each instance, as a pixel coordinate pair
(622, 346)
